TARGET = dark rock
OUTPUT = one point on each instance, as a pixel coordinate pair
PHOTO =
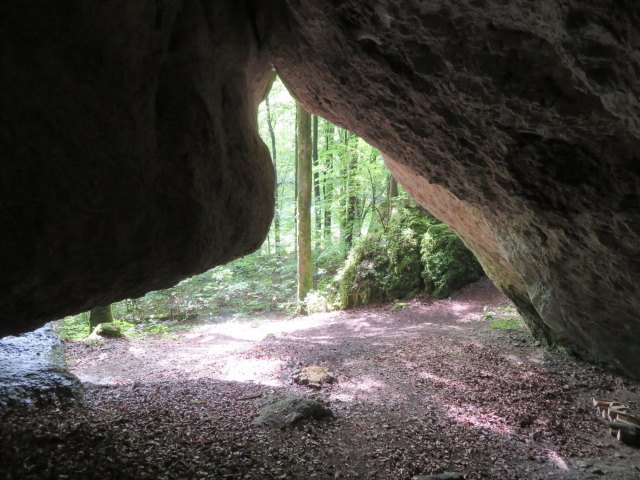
(33, 371)
(518, 126)
(129, 149)
(288, 411)
(442, 476)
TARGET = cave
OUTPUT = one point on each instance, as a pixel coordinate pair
(131, 157)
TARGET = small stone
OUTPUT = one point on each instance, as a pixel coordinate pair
(314, 376)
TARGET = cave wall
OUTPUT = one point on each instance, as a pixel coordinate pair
(130, 155)
(515, 122)
(129, 149)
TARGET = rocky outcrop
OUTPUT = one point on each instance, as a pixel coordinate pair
(518, 123)
(129, 147)
(131, 160)
(33, 371)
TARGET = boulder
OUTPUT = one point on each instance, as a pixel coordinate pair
(516, 124)
(33, 371)
(288, 411)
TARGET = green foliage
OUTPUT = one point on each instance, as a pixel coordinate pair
(351, 200)
(74, 328)
(383, 266)
(399, 306)
(448, 264)
(504, 318)
(250, 285)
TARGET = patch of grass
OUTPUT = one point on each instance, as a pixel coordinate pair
(506, 324)
(399, 306)
(504, 318)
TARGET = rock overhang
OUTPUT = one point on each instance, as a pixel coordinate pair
(131, 156)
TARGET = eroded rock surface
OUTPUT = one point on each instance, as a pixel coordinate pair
(129, 150)
(33, 371)
(131, 160)
(516, 123)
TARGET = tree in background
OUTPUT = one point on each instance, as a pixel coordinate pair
(303, 224)
(100, 315)
(274, 157)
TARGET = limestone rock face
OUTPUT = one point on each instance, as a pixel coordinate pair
(129, 149)
(518, 123)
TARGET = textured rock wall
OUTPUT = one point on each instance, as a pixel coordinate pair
(515, 122)
(129, 149)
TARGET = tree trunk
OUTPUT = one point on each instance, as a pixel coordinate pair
(100, 315)
(327, 182)
(352, 195)
(317, 201)
(274, 156)
(303, 224)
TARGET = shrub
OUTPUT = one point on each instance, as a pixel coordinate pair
(448, 264)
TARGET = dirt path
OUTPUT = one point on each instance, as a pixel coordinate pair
(424, 389)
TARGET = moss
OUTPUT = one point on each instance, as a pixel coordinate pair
(111, 330)
(448, 264)
(381, 267)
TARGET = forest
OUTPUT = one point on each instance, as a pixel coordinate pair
(344, 233)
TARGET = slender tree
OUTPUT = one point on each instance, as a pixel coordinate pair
(303, 224)
(327, 180)
(317, 200)
(274, 156)
(352, 192)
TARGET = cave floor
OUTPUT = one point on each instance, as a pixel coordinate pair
(421, 388)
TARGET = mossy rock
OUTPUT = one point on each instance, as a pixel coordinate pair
(380, 268)
(448, 263)
(385, 265)
(110, 330)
